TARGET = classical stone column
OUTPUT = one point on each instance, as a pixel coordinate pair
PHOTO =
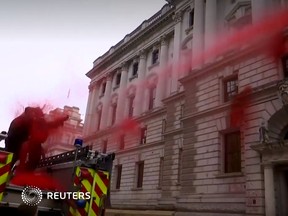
(210, 25)
(93, 116)
(88, 112)
(269, 190)
(122, 93)
(198, 33)
(141, 84)
(91, 108)
(176, 50)
(257, 9)
(106, 102)
(162, 81)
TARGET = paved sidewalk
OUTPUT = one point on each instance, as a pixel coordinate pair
(120, 212)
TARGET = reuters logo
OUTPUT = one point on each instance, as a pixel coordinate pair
(31, 195)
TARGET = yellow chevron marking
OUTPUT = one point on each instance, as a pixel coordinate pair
(4, 177)
(85, 183)
(75, 212)
(100, 183)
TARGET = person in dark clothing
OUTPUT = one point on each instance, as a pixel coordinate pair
(25, 210)
(22, 127)
(18, 131)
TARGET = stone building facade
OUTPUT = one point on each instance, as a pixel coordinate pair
(63, 140)
(187, 159)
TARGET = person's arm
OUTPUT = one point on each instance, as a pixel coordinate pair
(57, 122)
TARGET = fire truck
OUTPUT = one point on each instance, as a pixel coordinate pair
(82, 170)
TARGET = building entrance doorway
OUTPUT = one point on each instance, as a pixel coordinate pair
(281, 190)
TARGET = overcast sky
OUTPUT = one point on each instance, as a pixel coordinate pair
(47, 47)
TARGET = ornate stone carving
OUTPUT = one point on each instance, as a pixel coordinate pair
(283, 91)
(124, 66)
(142, 54)
(93, 85)
(178, 16)
(164, 41)
(263, 133)
(109, 77)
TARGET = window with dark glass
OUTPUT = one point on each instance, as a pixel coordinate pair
(285, 65)
(119, 174)
(181, 114)
(140, 174)
(118, 79)
(230, 88)
(232, 152)
(191, 18)
(99, 119)
(122, 142)
(155, 56)
(135, 69)
(180, 157)
(104, 146)
(131, 106)
(103, 87)
(143, 135)
(161, 170)
(114, 109)
(152, 96)
(164, 122)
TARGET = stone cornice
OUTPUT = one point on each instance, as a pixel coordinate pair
(223, 61)
(270, 148)
(140, 147)
(100, 133)
(138, 38)
(144, 49)
(173, 132)
(178, 16)
(112, 129)
(172, 98)
(259, 95)
(149, 114)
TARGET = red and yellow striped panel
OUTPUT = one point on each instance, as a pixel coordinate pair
(97, 184)
(83, 177)
(5, 168)
(99, 193)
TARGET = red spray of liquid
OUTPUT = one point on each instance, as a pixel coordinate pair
(265, 36)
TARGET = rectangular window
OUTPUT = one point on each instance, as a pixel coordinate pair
(143, 135)
(104, 146)
(181, 114)
(99, 119)
(163, 126)
(155, 56)
(152, 96)
(119, 174)
(135, 69)
(191, 18)
(285, 66)
(131, 106)
(140, 174)
(232, 152)
(180, 156)
(103, 87)
(161, 170)
(230, 88)
(114, 109)
(118, 79)
(122, 142)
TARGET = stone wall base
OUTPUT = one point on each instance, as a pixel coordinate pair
(120, 212)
